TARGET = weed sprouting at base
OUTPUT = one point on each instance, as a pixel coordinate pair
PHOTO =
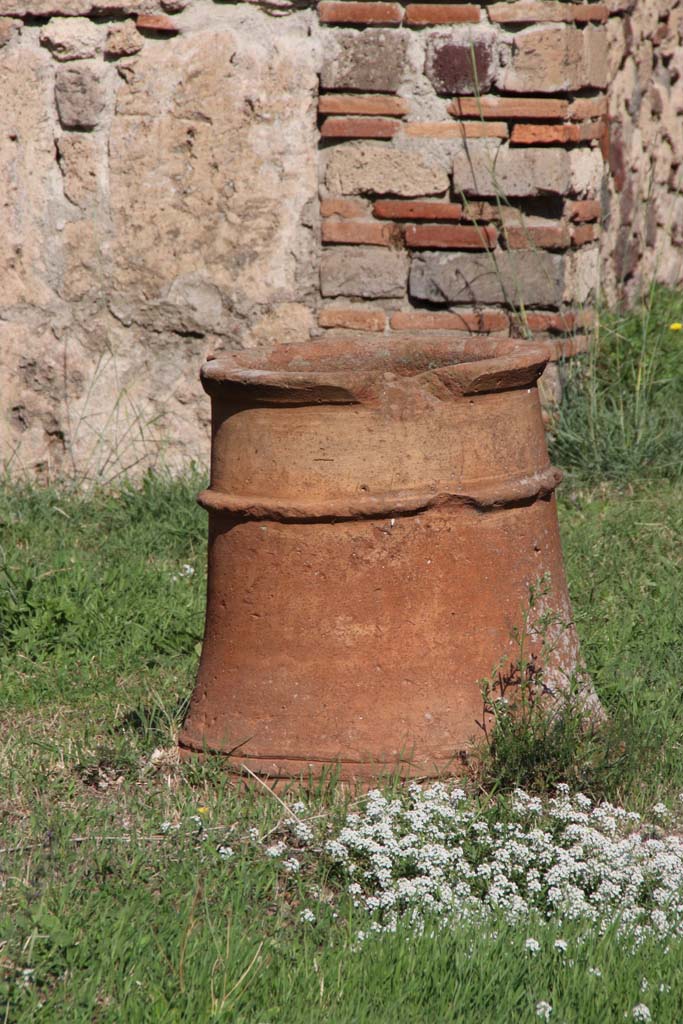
(538, 722)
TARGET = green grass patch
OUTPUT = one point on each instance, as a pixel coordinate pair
(622, 415)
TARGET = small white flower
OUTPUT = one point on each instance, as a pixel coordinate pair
(226, 852)
(307, 916)
(641, 1012)
(595, 971)
(543, 1010)
(165, 826)
(644, 985)
(299, 807)
(276, 850)
(292, 864)
(561, 944)
(253, 835)
(532, 946)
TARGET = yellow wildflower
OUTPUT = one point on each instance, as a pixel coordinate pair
(202, 810)
(676, 327)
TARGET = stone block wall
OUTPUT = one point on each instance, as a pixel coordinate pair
(181, 176)
(642, 200)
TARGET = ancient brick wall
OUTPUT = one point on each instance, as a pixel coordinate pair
(461, 164)
(181, 176)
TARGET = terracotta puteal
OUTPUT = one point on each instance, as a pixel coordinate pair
(377, 512)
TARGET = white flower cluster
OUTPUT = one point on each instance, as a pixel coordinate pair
(185, 572)
(435, 853)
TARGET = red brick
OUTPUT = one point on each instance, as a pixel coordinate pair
(584, 209)
(441, 14)
(508, 107)
(347, 208)
(456, 129)
(447, 236)
(409, 209)
(589, 12)
(479, 210)
(345, 103)
(474, 321)
(542, 134)
(360, 232)
(556, 322)
(593, 130)
(353, 319)
(585, 233)
(358, 128)
(339, 12)
(157, 23)
(584, 108)
(555, 236)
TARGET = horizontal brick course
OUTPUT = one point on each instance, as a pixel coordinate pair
(456, 129)
(585, 233)
(347, 208)
(446, 236)
(339, 12)
(478, 210)
(372, 104)
(408, 209)
(589, 12)
(353, 232)
(475, 321)
(358, 128)
(508, 107)
(547, 134)
(560, 323)
(353, 319)
(586, 107)
(533, 236)
(157, 23)
(584, 209)
(441, 14)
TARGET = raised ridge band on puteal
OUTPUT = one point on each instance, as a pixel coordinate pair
(486, 494)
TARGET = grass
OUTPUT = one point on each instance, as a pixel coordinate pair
(622, 417)
(105, 916)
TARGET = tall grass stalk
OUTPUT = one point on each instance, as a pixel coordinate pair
(621, 418)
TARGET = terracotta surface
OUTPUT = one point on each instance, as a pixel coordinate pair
(377, 512)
